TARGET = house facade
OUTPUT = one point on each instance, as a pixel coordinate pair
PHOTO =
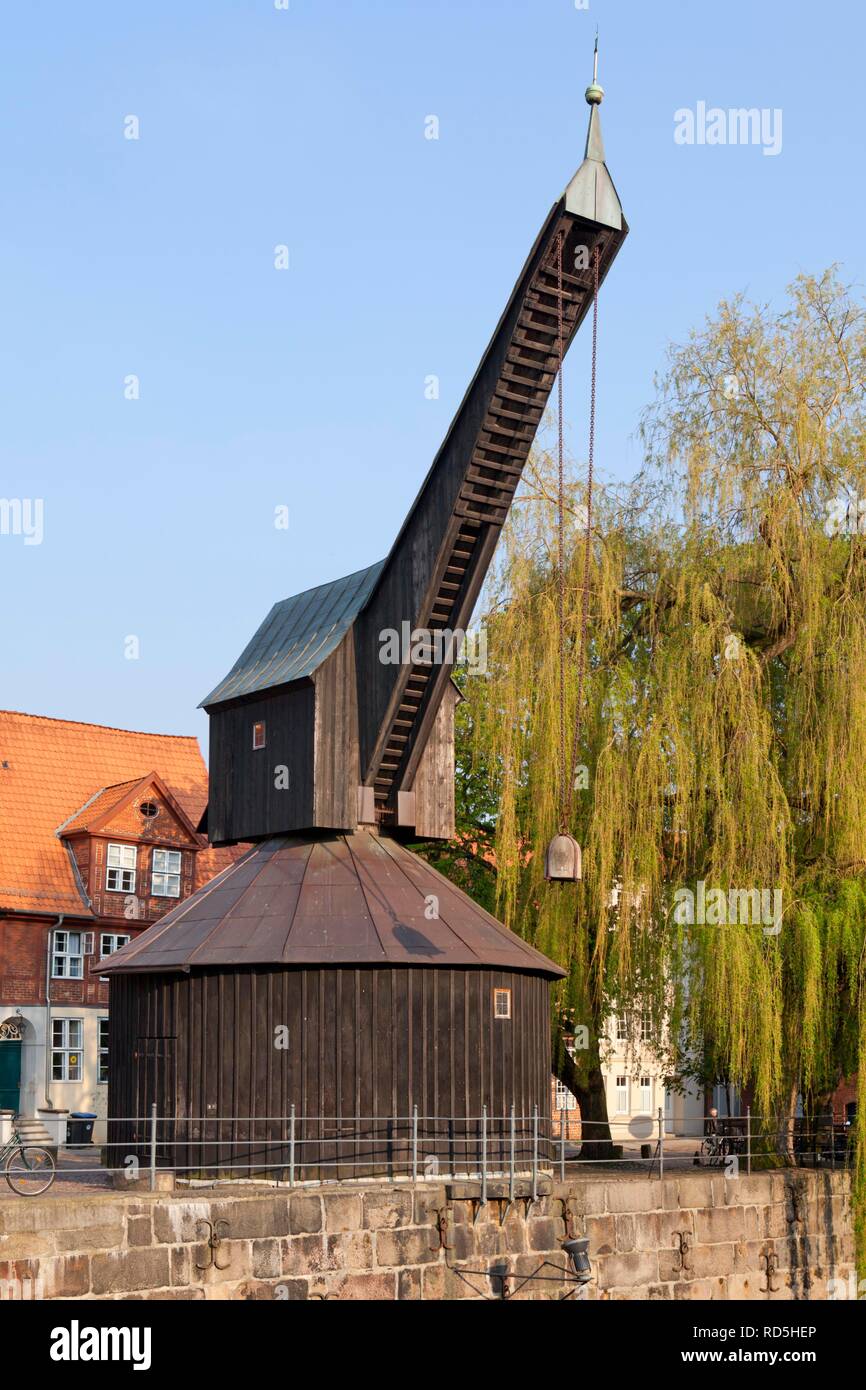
(635, 1089)
(98, 838)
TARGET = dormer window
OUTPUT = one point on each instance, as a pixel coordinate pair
(165, 878)
(120, 873)
(259, 734)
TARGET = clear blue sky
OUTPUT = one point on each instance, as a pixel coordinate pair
(305, 387)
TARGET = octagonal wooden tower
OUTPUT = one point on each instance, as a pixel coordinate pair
(330, 994)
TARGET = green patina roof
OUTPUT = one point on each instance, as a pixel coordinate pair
(298, 634)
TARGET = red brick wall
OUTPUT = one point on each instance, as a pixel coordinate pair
(23, 955)
(842, 1095)
(22, 961)
(114, 905)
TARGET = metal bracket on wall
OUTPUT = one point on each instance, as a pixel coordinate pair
(504, 1205)
(217, 1232)
(567, 1217)
(478, 1204)
(441, 1228)
(770, 1261)
(797, 1193)
(683, 1249)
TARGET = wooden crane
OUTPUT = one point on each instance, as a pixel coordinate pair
(401, 995)
(361, 740)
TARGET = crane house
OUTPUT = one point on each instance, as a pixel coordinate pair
(330, 989)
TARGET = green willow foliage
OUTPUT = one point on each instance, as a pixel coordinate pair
(724, 731)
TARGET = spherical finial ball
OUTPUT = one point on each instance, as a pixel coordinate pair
(595, 94)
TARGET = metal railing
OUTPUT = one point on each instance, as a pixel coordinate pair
(299, 1149)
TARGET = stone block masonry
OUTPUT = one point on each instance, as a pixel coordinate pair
(771, 1236)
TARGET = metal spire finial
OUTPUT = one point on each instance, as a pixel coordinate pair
(595, 92)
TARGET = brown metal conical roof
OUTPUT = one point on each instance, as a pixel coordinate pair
(350, 900)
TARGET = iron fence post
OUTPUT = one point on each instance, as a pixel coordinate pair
(484, 1155)
(661, 1142)
(292, 1147)
(535, 1153)
(153, 1147)
(414, 1143)
(562, 1146)
(511, 1144)
(832, 1143)
(748, 1140)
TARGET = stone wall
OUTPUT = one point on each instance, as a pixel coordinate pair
(769, 1236)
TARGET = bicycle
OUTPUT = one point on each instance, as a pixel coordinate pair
(30, 1170)
(714, 1150)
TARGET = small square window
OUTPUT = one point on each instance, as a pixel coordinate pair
(502, 1003)
(259, 734)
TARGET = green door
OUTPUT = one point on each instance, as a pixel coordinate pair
(10, 1075)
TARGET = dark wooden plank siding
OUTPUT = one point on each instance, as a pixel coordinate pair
(337, 769)
(365, 1046)
(434, 780)
(244, 801)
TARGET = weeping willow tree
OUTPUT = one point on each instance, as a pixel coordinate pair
(722, 746)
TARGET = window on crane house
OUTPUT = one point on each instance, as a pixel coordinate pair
(259, 734)
(165, 878)
(120, 870)
(502, 1003)
(66, 1038)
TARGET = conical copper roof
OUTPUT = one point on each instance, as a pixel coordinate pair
(359, 899)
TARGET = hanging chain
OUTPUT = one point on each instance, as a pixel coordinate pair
(563, 811)
(587, 553)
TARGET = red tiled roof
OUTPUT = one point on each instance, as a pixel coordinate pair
(49, 770)
(99, 805)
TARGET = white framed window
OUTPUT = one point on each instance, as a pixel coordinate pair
(120, 871)
(564, 1099)
(646, 1094)
(165, 873)
(646, 1028)
(67, 957)
(102, 1053)
(502, 1003)
(111, 941)
(66, 1038)
(622, 1032)
(622, 1106)
(259, 734)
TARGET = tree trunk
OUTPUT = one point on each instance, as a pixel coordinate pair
(789, 1124)
(592, 1099)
